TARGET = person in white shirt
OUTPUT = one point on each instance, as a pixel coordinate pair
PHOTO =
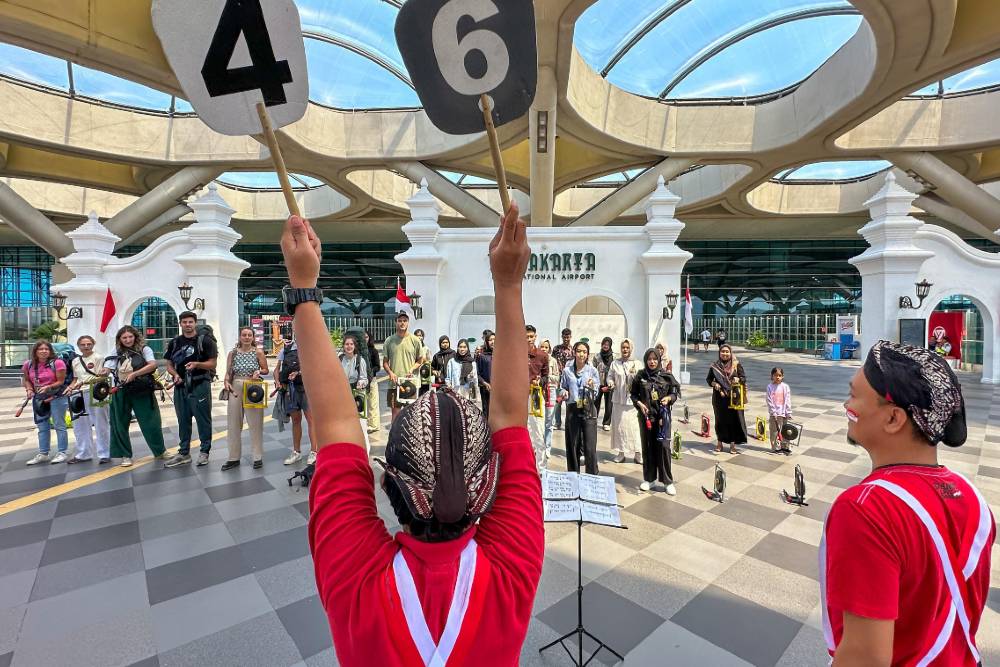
(86, 374)
(706, 338)
(461, 372)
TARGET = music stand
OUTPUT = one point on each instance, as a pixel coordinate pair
(584, 504)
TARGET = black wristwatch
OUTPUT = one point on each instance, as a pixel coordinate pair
(295, 295)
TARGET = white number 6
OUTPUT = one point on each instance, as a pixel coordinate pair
(451, 53)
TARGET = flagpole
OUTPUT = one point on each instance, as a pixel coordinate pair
(686, 334)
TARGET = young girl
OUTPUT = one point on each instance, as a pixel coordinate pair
(779, 409)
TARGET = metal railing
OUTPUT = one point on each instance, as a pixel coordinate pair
(792, 332)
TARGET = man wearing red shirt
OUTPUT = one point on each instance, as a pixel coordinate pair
(456, 586)
(905, 557)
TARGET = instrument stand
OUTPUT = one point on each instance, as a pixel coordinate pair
(580, 632)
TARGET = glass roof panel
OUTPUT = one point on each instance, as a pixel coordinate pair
(102, 86)
(265, 180)
(981, 76)
(835, 171)
(770, 60)
(34, 67)
(695, 28)
(368, 23)
(343, 79)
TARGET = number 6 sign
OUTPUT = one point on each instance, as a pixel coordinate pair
(458, 50)
(229, 55)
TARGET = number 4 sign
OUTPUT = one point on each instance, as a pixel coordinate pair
(229, 55)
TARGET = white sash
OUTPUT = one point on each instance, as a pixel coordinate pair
(957, 603)
(435, 655)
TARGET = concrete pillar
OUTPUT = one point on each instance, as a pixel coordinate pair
(422, 262)
(664, 262)
(475, 211)
(891, 265)
(543, 164)
(211, 267)
(23, 217)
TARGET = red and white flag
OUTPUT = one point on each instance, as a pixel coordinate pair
(109, 311)
(402, 301)
(688, 310)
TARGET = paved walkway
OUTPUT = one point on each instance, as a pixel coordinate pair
(199, 567)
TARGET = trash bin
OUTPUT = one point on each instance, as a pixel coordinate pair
(831, 351)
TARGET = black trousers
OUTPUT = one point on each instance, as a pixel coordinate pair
(606, 398)
(484, 394)
(655, 457)
(581, 437)
(558, 413)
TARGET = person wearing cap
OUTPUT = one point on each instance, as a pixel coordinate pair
(456, 586)
(563, 354)
(905, 554)
(538, 371)
(402, 356)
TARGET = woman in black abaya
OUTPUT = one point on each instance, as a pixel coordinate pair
(730, 424)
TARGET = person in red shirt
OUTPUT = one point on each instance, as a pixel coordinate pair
(456, 586)
(905, 555)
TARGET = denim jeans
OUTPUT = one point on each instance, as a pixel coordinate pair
(550, 413)
(59, 408)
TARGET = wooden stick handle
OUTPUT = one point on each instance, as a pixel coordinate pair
(491, 133)
(278, 160)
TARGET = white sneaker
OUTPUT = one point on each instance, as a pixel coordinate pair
(59, 458)
(671, 490)
(606, 427)
(126, 462)
(293, 458)
(38, 458)
(311, 459)
(645, 486)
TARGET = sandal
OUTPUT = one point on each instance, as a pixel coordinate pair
(734, 450)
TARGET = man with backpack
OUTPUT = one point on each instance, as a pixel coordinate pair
(191, 360)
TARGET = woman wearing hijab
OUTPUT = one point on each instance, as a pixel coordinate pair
(439, 364)
(653, 392)
(602, 362)
(625, 437)
(665, 361)
(461, 373)
(484, 370)
(730, 425)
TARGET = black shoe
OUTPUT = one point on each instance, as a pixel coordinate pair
(229, 465)
(104, 462)
(258, 464)
(177, 460)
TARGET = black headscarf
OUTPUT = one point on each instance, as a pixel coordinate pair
(607, 357)
(442, 356)
(467, 363)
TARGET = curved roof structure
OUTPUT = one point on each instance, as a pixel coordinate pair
(780, 112)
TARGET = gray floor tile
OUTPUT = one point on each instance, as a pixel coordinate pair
(6, 659)
(265, 552)
(246, 487)
(70, 575)
(307, 623)
(92, 520)
(663, 511)
(670, 644)
(259, 641)
(327, 658)
(88, 646)
(15, 589)
(764, 465)
(110, 484)
(32, 514)
(184, 619)
(187, 544)
(829, 454)
(241, 507)
(288, 582)
(151, 661)
(632, 622)
(36, 482)
(695, 462)
(303, 509)
(21, 558)
(94, 501)
(156, 473)
(255, 526)
(26, 533)
(177, 502)
(844, 481)
(787, 554)
(196, 573)
(168, 524)
(84, 607)
(817, 509)
(88, 542)
(752, 514)
(10, 627)
(738, 626)
(989, 471)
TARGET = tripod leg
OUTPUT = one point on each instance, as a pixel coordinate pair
(601, 645)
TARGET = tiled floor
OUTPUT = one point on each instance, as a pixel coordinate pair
(199, 567)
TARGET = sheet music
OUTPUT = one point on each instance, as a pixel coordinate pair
(606, 515)
(560, 485)
(562, 510)
(597, 489)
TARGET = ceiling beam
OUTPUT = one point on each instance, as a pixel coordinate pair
(631, 194)
(164, 197)
(27, 220)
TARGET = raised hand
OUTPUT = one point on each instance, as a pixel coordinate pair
(302, 251)
(509, 251)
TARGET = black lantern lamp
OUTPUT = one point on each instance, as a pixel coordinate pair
(59, 303)
(185, 291)
(923, 289)
(418, 312)
(668, 312)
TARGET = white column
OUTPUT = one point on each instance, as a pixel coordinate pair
(422, 262)
(891, 265)
(663, 262)
(211, 268)
(93, 245)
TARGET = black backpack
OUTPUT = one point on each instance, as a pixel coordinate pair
(65, 353)
(290, 364)
(203, 332)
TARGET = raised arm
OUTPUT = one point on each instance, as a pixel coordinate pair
(509, 254)
(333, 414)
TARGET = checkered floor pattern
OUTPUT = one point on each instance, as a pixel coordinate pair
(199, 567)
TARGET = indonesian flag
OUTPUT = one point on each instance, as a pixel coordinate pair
(109, 311)
(688, 311)
(402, 301)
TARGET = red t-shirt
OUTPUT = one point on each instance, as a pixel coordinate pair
(881, 561)
(353, 552)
